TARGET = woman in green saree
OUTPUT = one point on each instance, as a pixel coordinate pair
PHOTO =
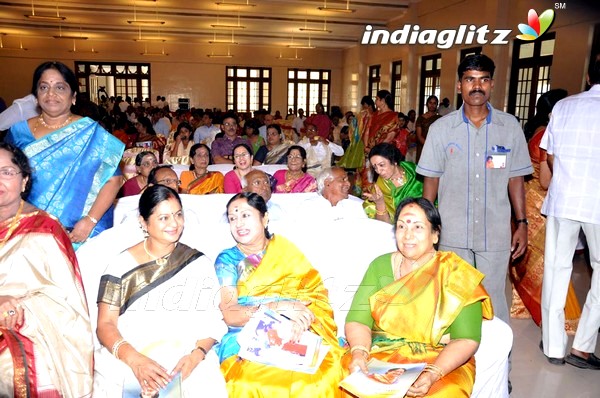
(397, 180)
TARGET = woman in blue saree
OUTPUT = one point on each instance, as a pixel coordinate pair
(75, 161)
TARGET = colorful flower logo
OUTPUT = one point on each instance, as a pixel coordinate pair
(537, 26)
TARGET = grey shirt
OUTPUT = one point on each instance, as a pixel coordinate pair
(472, 198)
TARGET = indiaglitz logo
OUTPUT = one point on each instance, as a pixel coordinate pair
(536, 26)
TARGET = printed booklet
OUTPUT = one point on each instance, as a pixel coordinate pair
(385, 379)
(266, 339)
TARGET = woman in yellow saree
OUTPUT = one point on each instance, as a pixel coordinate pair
(420, 305)
(270, 271)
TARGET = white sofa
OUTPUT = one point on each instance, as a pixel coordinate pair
(340, 250)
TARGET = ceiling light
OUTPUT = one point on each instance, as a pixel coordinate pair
(71, 37)
(213, 55)
(220, 41)
(219, 55)
(315, 30)
(347, 10)
(2, 47)
(160, 54)
(56, 17)
(308, 46)
(150, 39)
(246, 4)
(227, 26)
(74, 50)
(294, 58)
(138, 22)
(223, 41)
(45, 17)
(302, 46)
(220, 25)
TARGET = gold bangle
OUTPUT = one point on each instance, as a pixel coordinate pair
(381, 213)
(431, 368)
(360, 348)
(116, 346)
(95, 221)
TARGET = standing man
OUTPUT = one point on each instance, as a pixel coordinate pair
(321, 120)
(572, 140)
(298, 123)
(474, 199)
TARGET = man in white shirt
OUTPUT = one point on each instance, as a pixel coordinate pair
(572, 140)
(262, 130)
(298, 123)
(161, 124)
(21, 109)
(319, 150)
(205, 134)
(333, 202)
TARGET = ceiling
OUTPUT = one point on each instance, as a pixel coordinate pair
(267, 23)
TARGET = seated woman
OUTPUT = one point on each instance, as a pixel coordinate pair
(144, 163)
(147, 135)
(242, 165)
(275, 150)
(295, 179)
(270, 271)
(181, 145)
(148, 325)
(253, 136)
(198, 180)
(397, 180)
(45, 332)
(420, 305)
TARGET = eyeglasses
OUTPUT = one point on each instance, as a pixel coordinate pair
(169, 181)
(148, 164)
(241, 155)
(8, 174)
(311, 130)
(230, 124)
(258, 183)
(294, 157)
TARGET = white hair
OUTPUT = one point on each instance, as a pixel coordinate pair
(324, 175)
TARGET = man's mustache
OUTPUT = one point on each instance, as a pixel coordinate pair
(476, 92)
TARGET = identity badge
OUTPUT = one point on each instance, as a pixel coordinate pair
(495, 162)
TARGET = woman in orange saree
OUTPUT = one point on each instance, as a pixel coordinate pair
(419, 305)
(198, 180)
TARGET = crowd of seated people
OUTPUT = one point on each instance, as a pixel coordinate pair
(142, 346)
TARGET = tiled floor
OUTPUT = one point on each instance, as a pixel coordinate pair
(532, 375)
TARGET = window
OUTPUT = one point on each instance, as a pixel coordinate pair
(397, 84)
(113, 79)
(431, 68)
(463, 54)
(374, 80)
(530, 77)
(248, 89)
(307, 88)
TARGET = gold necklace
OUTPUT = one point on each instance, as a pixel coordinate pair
(398, 264)
(400, 180)
(56, 127)
(13, 224)
(250, 253)
(159, 260)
